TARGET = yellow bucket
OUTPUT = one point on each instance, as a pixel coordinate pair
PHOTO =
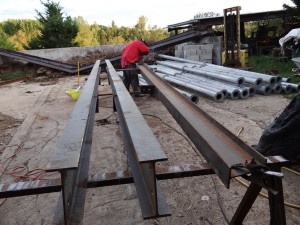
(73, 93)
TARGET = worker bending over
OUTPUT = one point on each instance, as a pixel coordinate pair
(132, 53)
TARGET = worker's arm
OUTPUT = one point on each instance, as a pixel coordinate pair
(144, 49)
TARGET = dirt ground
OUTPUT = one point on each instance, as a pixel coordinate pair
(33, 116)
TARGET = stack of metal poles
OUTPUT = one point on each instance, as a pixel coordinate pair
(191, 96)
(233, 83)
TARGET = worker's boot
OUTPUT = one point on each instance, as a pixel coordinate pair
(136, 94)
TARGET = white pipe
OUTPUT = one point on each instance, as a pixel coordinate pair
(286, 79)
(239, 80)
(194, 98)
(287, 88)
(256, 81)
(201, 81)
(234, 91)
(277, 88)
(296, 87)
(217, 96)
(267, 78)
(264, 89)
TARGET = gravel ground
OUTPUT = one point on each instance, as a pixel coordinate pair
(196, 200)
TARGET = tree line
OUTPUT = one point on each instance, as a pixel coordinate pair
(52, 29)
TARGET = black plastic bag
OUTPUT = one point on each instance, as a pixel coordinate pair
(282, 137)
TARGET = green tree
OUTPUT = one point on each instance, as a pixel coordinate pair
(4, 41)
(140, 27)
(57, 31)
(85, 35)
(156, 34)
(20, 32)
(102, 35)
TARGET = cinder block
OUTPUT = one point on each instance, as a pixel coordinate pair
(179, 54)
(206, 60)
(193, 57)
(192, 52)
(208, 47)
(207, 40)
(180, 47)
(208, 55)
(204, 52)
(193, 47)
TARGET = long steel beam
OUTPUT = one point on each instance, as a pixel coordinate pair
(65, 67)
(206, 22)
(51, 61)
(165, 43)
(142, 147)
(29, 188)
(101, 180)
(69, 68)
(119, 177)
(180, 38)
(222, 149)
(72, 153)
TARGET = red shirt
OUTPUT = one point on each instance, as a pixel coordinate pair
(133, 51)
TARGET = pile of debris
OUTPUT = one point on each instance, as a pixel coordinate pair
(91, 57)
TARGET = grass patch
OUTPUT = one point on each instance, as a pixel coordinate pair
(263, 64)
(12, 75)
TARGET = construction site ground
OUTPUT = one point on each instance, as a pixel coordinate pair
(33, 115)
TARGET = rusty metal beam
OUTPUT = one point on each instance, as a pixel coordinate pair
(219, 20)
(178, 39)
(117, 178)
(221, 148)
(101, 180)
(72, 153)
(142, 147)
(65, 67)
(70, 68)
(162, 173)
(29, 188)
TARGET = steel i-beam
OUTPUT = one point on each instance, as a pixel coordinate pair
(142, 147)
(72, 153)
(222, 149)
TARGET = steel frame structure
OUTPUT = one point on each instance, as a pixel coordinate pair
(71, 157)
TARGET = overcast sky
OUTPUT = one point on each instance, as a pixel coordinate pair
(127, 12)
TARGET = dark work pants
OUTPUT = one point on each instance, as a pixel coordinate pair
(131, 78)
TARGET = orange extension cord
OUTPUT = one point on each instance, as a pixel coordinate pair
(21, 172)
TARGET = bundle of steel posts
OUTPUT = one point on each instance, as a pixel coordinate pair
(212, 80)
(192, 97)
